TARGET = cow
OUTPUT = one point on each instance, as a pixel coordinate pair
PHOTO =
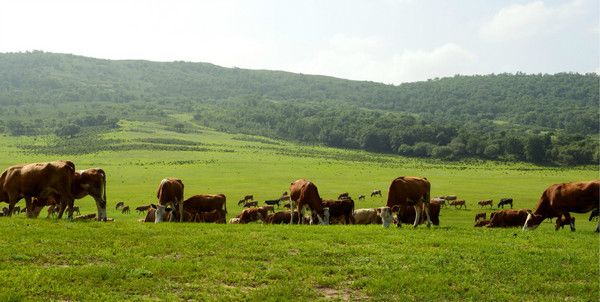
(449, 197)
(344, 195)
(482, 216)
(254, 214)
(248, 197)
(125, 210)
(273, 202)
(560, 199)
(251, 204)
(282, 217)
(119, 204)
(487, 202)
(507, 218)
(458, 203)
(382, 215)
(376, 193)
(306, 194)
(338, 208)
(409, 215)
(170, 192)
(142, 209)
(411, 191)
(216, 215)
(562, 221)
(361, 197)
(594, 214)
(42, 180)
(205, 203)
(505, 201)
(440, 201)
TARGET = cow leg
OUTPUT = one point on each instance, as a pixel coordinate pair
(428, 215)
(570, 220)
(61, 208)
(417, 216)
(101, 207)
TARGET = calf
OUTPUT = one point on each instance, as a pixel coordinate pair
(508, 218)
(505, 201)
(216, 215)
(441, 201)
(408, 214)
(254, 214)
(343, 207)
(458, 203)
(482, 216)
(487, 202)
(283, 217)
(382, 215)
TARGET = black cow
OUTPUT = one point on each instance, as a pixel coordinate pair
(505, 201)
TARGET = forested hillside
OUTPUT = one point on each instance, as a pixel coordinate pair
(545, 119)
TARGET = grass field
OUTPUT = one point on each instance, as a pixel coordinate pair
(125, 260)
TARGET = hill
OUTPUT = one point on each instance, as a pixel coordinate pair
(544, 119)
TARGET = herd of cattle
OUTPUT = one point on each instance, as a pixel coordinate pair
(57, 184)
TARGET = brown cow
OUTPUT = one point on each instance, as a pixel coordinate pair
(408, 213)
(206, 203)
(338, 208)
(482, 216)
(41, 180)
(125, 210)
(344, 195)
(458, 203)
(170, 192)
(560, 199)
(487, 202)
(142, 209)
(282, 217)
(410, 191)
(216, 215)
(507, 218)
(254, 214)
(305, 193)
(382, 215)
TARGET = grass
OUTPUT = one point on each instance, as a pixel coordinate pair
(45, 259)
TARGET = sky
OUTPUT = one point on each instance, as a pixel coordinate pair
(388, 41)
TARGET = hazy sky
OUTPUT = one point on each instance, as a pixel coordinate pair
(390, 41)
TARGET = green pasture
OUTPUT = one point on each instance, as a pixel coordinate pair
(125, 260)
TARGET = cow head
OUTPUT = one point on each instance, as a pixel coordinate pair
(532, 221)
(386, 216)
(160, 212)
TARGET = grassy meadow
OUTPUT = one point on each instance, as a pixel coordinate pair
(46, 259)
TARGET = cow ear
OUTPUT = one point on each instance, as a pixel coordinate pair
(153, 206)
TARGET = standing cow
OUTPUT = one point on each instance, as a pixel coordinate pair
(560, 199)
(43, 180)
(305, 193)
(170, 192)
(410, 191)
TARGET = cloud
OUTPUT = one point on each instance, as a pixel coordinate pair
(520, 21)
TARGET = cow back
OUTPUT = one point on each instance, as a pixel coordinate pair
(205, 203)
(170, 190)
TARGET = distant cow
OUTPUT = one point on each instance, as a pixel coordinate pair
(142, 209)
(410, 191)
(505, 201)
(119, 204)
(125, 210)
(408, 214)
(283, 217)
(254, 214)
(42, 180)
(482, 216)
(338, 208)
(440, 201)
(216, 216)
(459, 203)
(449, 197)
(487, 202)
(382, 215)
(273, 202)
(560, 199)
(170, 192)
(376, 193)
(251, 204)
(361, 197)
(248, 197)
(344, 195)
(306, 194)
(507, 218)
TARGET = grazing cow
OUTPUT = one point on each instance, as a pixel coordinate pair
(241, 202)
(507, 218)
(142, 209)
(306, 194)
(338, 208)
(273, 202)
(251, 204)
(376, 193)
(409, 215)
(505, 201)
(382, 215)
(449, 197)
(344, 195)
(487, 202)
(482, 216)
(119, 204)
(282, 217)
(440, 201)
(361, 197)
(125, 210)
(410, 191)
(216, 215)
(560, 199)
(562, 221)
(42, 180)
(170, 192)
(458, 203)
(254, 214)
(205, 203)
(248, 197)
(594, 214)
